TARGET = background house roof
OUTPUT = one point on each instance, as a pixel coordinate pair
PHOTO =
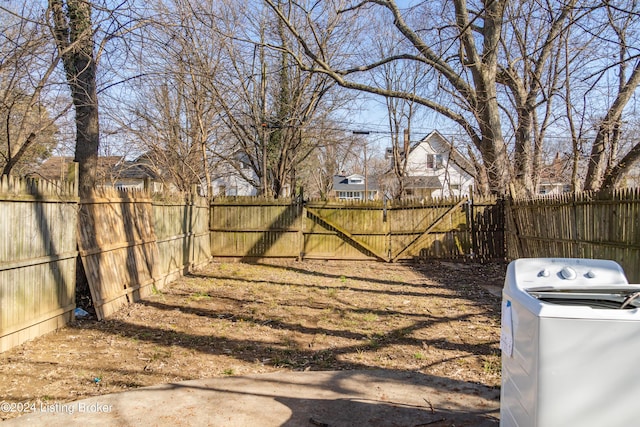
(53, 169)
(558, 171)
(443, 145)
(341, 183)
(134, 170)
(109, 168)
(59, 168)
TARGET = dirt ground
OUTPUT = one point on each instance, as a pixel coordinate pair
(440, 319)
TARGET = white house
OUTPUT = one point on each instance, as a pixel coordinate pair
(228, 177)
(436, 169)
(354, 187)
(555, 177)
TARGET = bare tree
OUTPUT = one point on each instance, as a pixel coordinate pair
(173, 114)
(465, 57)
(275, 113)
(29, 101)
(498, 67)
(531, 76)
(605, 168)
(335, 152)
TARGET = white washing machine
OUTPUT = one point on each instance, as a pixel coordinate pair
(570, 343)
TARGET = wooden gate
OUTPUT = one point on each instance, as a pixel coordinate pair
(342, 230)
(386, 231)
(457, 228)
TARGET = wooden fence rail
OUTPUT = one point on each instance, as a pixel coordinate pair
(118, 247)
(132, 244)
(250, 228)
(42, 225)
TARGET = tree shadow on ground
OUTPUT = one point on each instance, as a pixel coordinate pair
(214, 320)
(250, 310)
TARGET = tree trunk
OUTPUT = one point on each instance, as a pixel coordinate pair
(73, 33)
(493, 148)
(85, 100)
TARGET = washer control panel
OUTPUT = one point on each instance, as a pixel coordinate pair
(563, 272)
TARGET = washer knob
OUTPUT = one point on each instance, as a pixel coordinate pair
(568, 273)
(544, 273)
(590, 274)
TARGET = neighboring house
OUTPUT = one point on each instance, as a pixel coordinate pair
(113, 171)
(135, 175)
(232, 185)
(227, 179)
(61, 168)
(237, 177)
(555, 178)
(436, 169)
(57, 168)
(632, 178)
(354, 187)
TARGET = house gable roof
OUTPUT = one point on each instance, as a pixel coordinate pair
(54, 168)
(556, 172)
(441, 144)
(135, 171)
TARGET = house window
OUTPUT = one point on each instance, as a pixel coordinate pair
(350, 195)
(356, 181)
(434, 161)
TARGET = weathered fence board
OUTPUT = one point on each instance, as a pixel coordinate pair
(201, 239)
(487, 228)
(583, 225)
(182, 230)
(251, 228)
(118, 247)
(37, 258)
(427, 231)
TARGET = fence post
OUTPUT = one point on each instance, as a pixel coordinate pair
(473, 228)
(302, 214)
(76, 178)
(387, 225)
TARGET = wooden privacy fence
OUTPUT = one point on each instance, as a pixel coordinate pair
(118, 247)
(449, 228)
(583, 225)
(131, 242)
(37, 258)
(131, 245)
